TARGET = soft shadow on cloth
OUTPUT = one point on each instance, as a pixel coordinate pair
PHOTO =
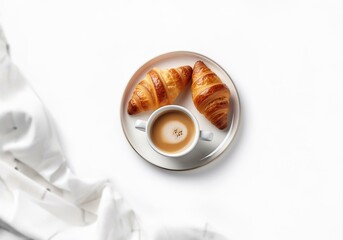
(40, 198)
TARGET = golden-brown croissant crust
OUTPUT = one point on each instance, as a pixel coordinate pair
(159, 88)
(210, 95)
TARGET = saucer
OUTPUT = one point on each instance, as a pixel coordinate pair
(204, 152)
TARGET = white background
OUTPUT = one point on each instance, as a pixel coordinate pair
(283, 177)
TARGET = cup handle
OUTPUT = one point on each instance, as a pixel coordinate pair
(206, 135)
(140, 125)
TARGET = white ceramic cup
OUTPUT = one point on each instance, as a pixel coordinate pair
(146, 126)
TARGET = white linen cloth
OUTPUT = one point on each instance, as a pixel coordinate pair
(40, 198)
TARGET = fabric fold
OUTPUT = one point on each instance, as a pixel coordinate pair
(40, 197)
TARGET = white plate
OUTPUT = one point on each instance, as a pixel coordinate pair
(204, 152)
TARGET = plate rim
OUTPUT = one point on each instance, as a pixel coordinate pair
(227, 143)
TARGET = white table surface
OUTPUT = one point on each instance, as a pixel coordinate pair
(283, 177)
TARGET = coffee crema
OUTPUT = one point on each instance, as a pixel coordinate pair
(173, 132)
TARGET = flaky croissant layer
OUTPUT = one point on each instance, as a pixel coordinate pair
(210, 95)
(159, 88)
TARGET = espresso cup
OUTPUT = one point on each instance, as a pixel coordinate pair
(173, 131)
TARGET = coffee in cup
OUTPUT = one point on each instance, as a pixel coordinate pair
(173, 131)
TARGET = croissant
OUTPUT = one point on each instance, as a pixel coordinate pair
(159, 88)
(210, 95)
